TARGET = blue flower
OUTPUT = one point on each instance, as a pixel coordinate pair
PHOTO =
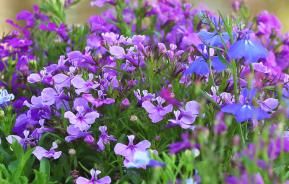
(5, 97)
(250, 50)
(244, 110)
(217, 64)
(213, 38)
(199, 66)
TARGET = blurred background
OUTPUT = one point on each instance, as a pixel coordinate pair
(81, 12)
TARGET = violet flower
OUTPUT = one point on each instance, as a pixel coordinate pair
(94, 179)
(185, 117)
(40, 152)
(129, 150)
(104, 138)
(82, 119)
(83, 86)
(157, 113)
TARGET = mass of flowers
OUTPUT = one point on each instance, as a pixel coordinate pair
(145, 92)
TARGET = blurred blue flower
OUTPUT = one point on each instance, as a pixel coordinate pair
(5, 97)
(248, 49)
(142, 159)
(213, 38)
(199, 66)
(244, 110)
(217, 64)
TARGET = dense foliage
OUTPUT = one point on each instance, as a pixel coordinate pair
(146, 92)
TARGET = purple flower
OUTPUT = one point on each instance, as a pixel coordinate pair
(101, 3)
(83, 86)
(157, 113)
(117, 51)
(98, 102)
(185, 117)
(40, 152)
(28, 139)
(50, 96)
(82, 119)
(104, 138)
(184, 144)
(75, 133)
(128, 151)
(268, 24)
(94, 179)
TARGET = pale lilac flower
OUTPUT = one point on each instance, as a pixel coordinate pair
(75, 133)
(100, 101)
(104, 138)
(94, 179)
(157, 113)
(82, 119)
(83, 86)
(117, 51)
(5, 97)
(143, 96)
(185, 117)
(40, 152)
(128, 151)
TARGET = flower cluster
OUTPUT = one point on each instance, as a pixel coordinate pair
(193, 91)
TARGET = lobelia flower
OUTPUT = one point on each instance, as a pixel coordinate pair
(82, 119)
(157, 113)
(142, 159)
(184, 144)
(144, 96)
(244, 110)
(268, 24)
(129, 150)
(28, 139)
(117, 51)
(252, 50)
(50, 97)
(214, 39)
(104, 138)
(185, 117)
(83, 86)
(75, 133)
(40, 152)
(100, 101)
(199, 67)
(5, 97)
(101, 3)
(94, 179)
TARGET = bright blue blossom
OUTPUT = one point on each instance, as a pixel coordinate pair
(217, 64)
(244, 110)
(199, 66)
(248, 49)
(213, 38)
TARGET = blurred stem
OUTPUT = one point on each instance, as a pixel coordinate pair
(235, 79)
